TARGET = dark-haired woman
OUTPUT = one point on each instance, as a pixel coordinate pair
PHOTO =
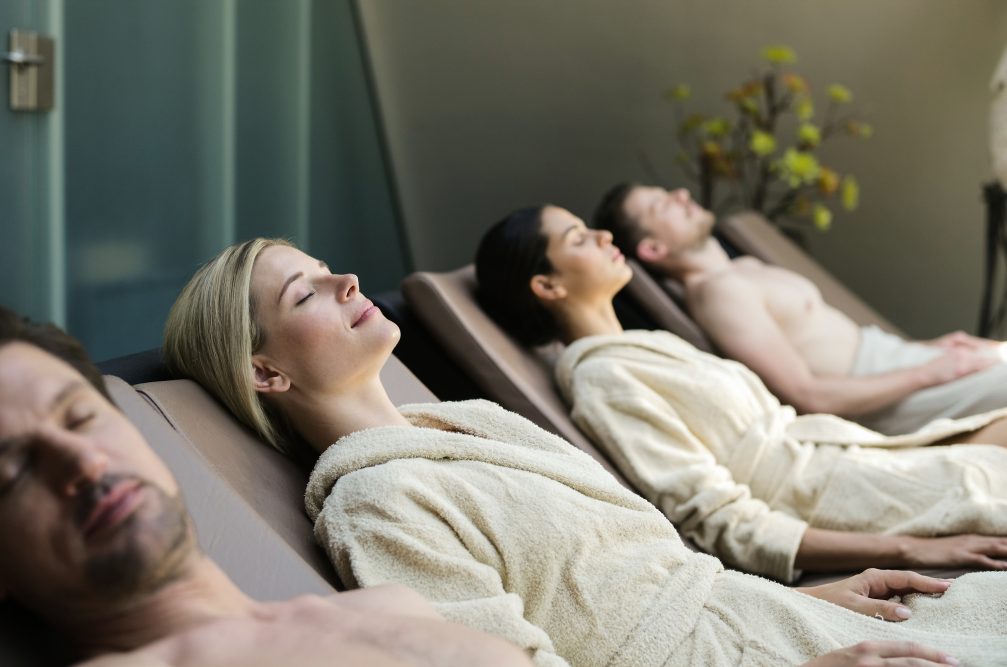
(703, 439)
(507, 528)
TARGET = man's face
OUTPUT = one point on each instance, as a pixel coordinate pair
(87, 510)
(670, 217)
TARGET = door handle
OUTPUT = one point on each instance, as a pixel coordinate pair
(21, 58)
(31, 58)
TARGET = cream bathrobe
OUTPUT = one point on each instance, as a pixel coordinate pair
(511, 530)
(703, 439)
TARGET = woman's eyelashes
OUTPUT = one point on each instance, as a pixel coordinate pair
(304, 298)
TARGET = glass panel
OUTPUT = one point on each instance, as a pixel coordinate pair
(144, 95)
(24, 250)
(354, 224)
(192, 124)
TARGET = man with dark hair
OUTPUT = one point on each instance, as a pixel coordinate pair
(775, 321)
(55, 341)
(95, 539)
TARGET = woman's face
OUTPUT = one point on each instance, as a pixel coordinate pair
(584, 261)
(320, 332)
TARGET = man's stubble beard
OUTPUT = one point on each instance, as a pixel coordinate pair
(135, 566)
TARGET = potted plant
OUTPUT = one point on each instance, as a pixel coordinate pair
(765, 154)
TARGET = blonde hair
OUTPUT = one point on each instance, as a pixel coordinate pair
(211, 334)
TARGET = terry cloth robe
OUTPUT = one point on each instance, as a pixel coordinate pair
(511, 530)
(743, 476)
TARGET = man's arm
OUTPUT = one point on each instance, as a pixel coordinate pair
(962, 340)
(736, 318)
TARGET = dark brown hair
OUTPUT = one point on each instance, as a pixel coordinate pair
(510, 253)
(611, 215)
(50, 338)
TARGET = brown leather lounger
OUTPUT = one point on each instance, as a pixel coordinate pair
(508, 373)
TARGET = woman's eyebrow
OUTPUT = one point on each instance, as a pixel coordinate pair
(286, 284)
(299, 274)
(569, 229)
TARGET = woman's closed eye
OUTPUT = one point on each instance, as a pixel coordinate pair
(304, 298)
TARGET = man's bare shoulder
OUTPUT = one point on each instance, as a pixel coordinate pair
(729, 286)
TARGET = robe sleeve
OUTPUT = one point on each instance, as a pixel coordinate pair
(415, 540)
(665, 461)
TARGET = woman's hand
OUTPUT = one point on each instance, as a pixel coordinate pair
(975, 551)
(887, 654)
(868, 592)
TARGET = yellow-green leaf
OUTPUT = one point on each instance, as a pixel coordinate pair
(762, 143)
(809, 135)
(850, 194)
(822, 217)
(828, 182)
(778, 54)
(716, 127)
(799, 167)
(678, 92)
(805, 108)
(795, 83)
(839, 94)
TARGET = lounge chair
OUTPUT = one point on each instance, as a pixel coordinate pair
(516, 378)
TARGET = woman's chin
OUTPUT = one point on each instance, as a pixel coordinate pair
(625, 276)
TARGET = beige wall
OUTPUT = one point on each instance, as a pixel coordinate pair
(492, 105)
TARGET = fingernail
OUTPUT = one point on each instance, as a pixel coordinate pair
(903, 612)
(949, 660)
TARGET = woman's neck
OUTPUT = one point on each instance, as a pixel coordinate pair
(579, 320)
(324, 418)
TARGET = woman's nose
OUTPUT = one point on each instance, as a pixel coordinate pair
(604, 237)
(347, 285)
(681, 194)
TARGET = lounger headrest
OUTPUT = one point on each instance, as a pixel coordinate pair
(660, 304)
(509, 374)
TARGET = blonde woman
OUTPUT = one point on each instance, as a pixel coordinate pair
(705, 441)
(505, 527)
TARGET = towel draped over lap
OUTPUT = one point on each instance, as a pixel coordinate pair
(883, 352)
(743, 476)
(511, 530)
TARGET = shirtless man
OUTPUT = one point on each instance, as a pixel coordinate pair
(95, 539)
(809, 354)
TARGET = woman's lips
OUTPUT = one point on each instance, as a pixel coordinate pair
(369, 310)
(113, 508)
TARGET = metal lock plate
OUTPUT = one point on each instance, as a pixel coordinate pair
(30, 59)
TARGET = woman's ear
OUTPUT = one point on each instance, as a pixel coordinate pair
(547, 288)
(650, 250)
(268, 380)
